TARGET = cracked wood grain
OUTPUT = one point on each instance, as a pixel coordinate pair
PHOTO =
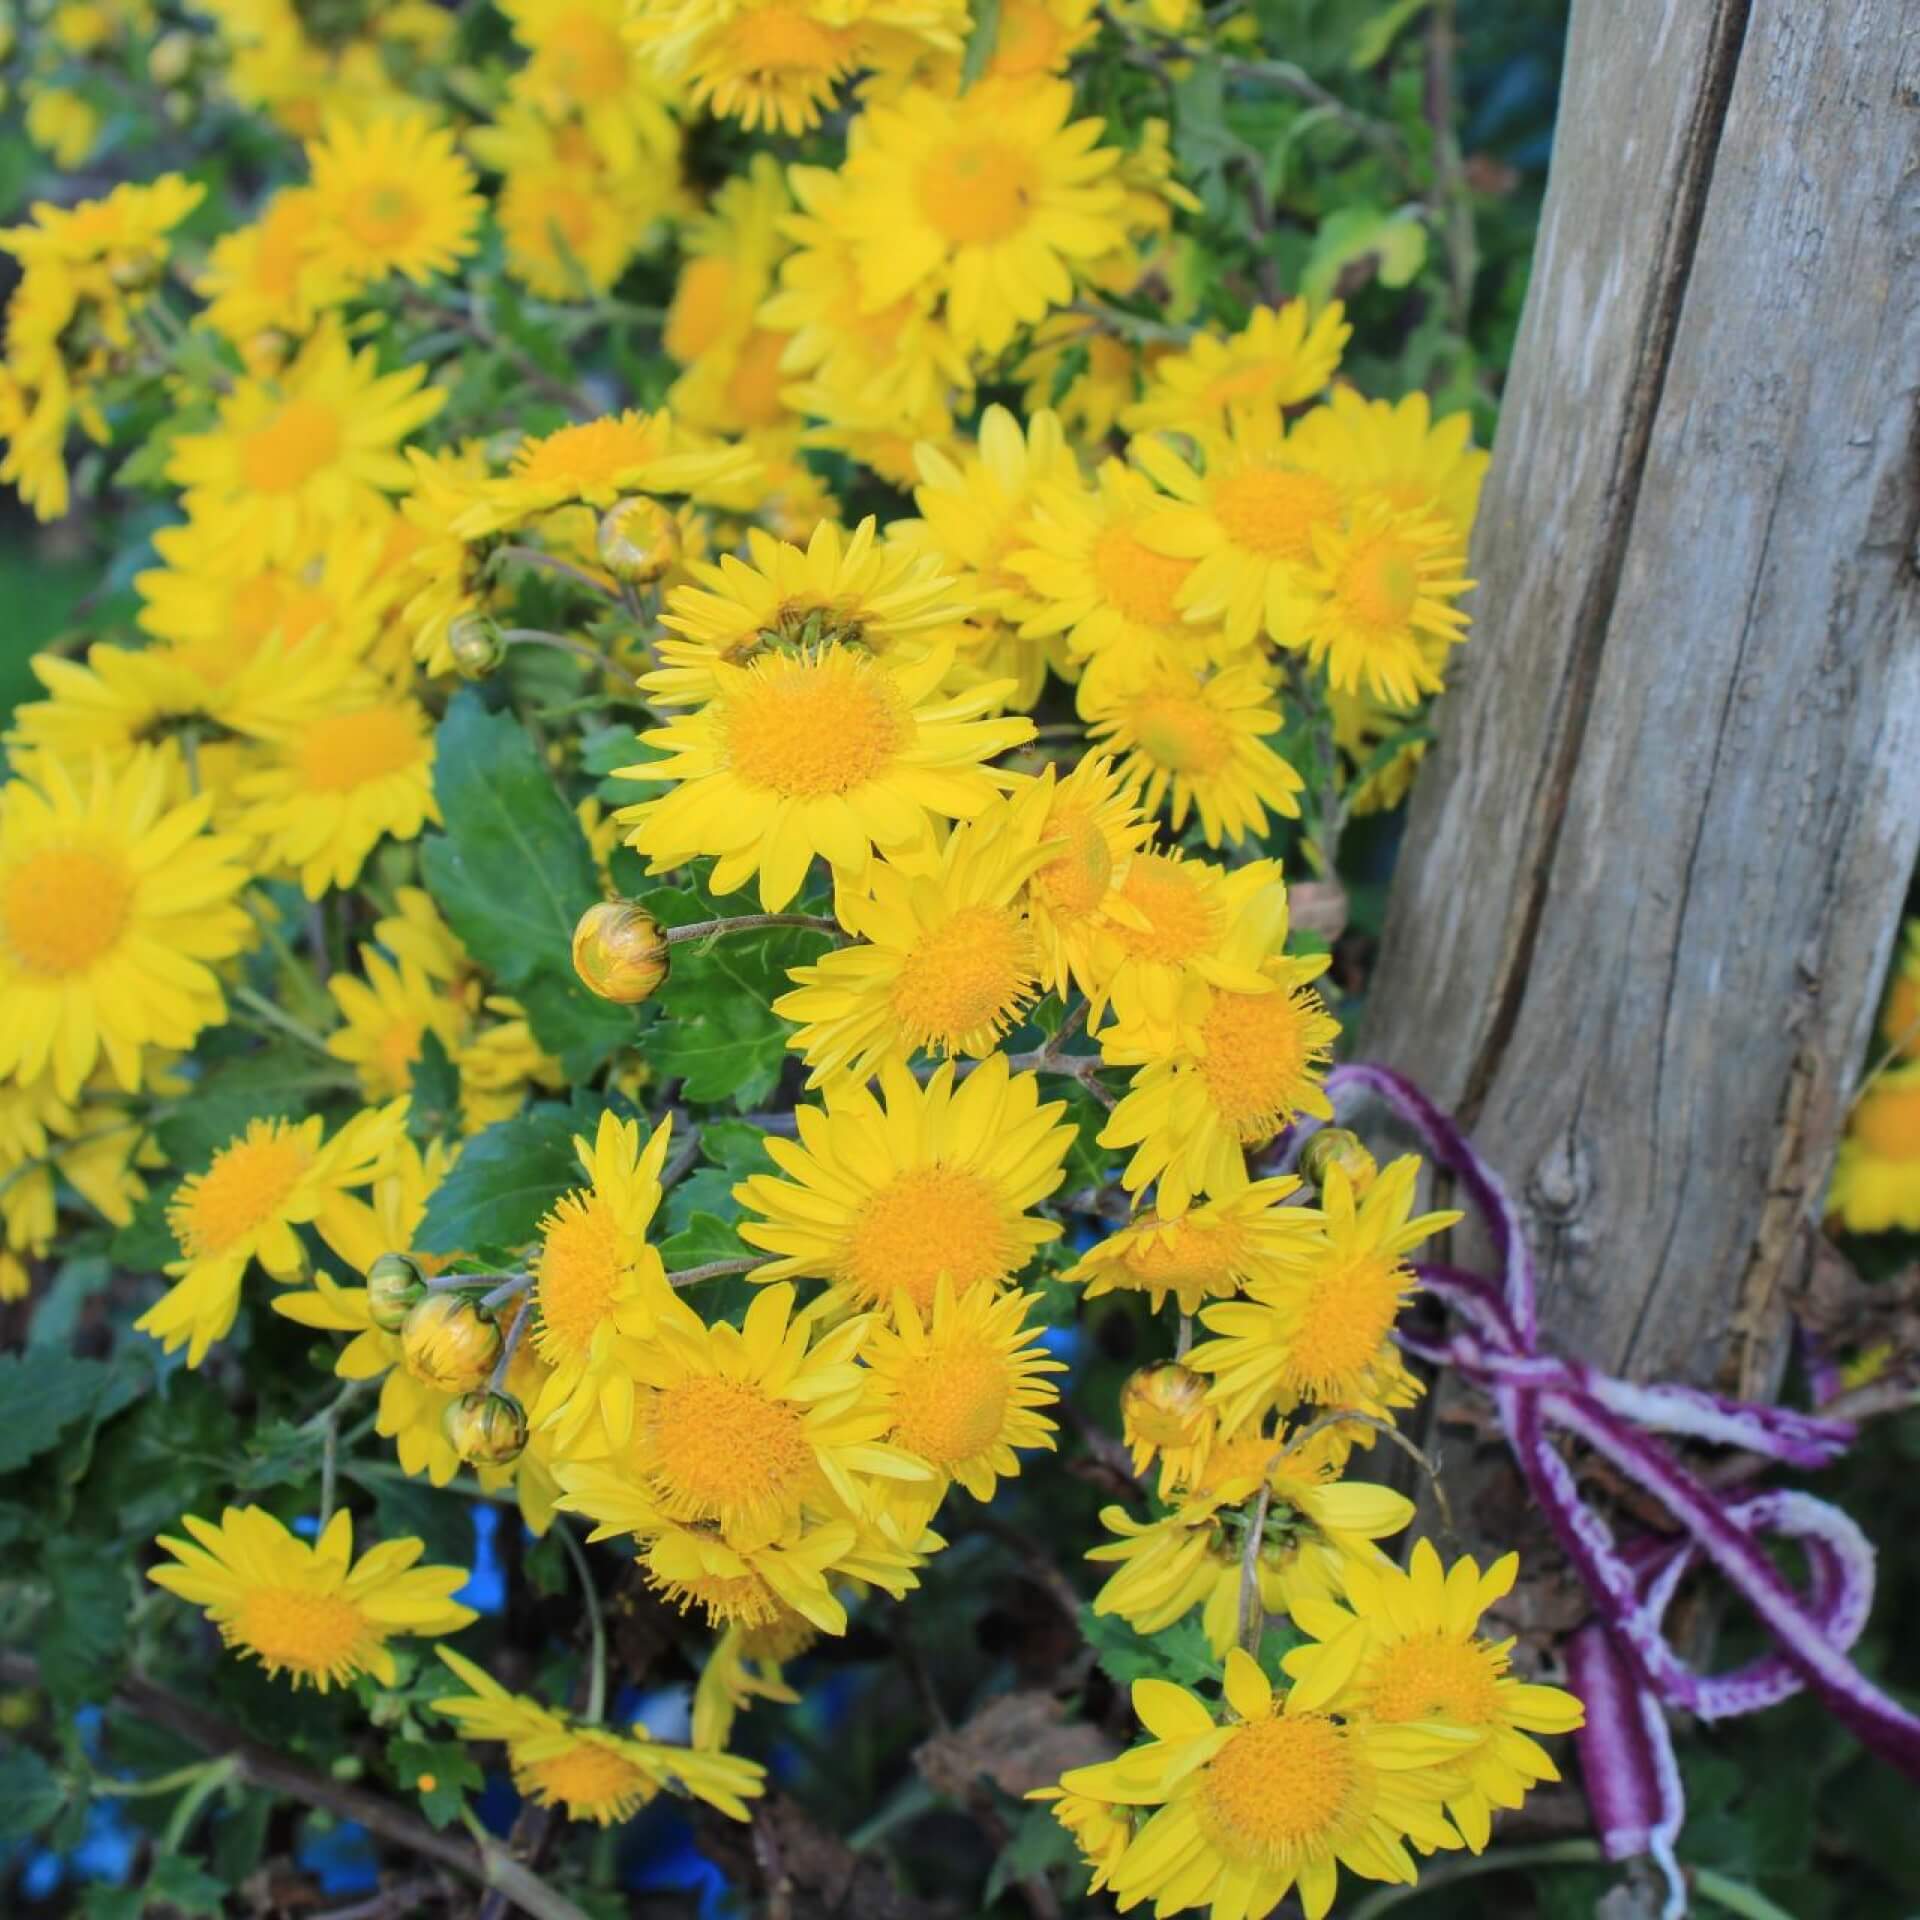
(1654, 869)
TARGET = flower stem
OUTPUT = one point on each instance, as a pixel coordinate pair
(597, 1676)
(715, 1270)
(264, 1009)
(747, 923)
(497, 1383)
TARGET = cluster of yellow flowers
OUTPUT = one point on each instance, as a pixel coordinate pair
(1198, 533)
(1876, 1175)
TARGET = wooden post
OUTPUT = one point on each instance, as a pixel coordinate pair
(1656, 862)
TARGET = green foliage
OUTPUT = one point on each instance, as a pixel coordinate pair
(507, 1177)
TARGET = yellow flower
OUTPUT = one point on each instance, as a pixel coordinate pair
(583, 64)
(1876, 1173)
(1092, 831)
(63, 125)
(824, 750)
(316, 445)
(1193, 743)
(1247, 523)
(728, 256)
(1210, 1251)
(1377, 607)
(350, 762)
(273, 1177)
(745, 1665)
(936, 1184)
(771, 63)
(1398, 450)
(1275, 1800)
(946, 960)
(272, 276)
(1164, 1415)
(1100, 1830)
(387, 1017)
(963, 1387)
(1283, 355)
(857, 591)
(1084, 373)
(993, 200)
(1321, 1331)
(1410, 1653)
(310, 1611)
(599, 1288)
(393, 196)
(589, 1772)
(1900, 1018)
(114, 908)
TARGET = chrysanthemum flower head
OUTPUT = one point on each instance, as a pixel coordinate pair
(946, 960)
(936, 1184)
(589, 1772)
(991, 199)
(1283, 355)
(274, 277)
(387, 1015)
(1396, 449)
(273, 1177)
(963, 1387)
(1876, 1173)
(311, 1611)
(744, 1665)
(316, 444)
(853, 590)
(1091, 833)
(1320, 1332)
(1377, 607)
(583, 65)
(1275, 1800)
(1246, 518)
(393, 195)
(824, 750)
(1410, 1653)
(115, 907)
(1900, 1018)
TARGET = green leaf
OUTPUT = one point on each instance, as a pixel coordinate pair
(83, 1628)
(1395, 242)
(578, 1028)
(981, 42)
(733, 1144)
(433, 1094)
(113, 1903)
(1377, 33)
(1039, 1844)
(29, 1794)
(218, 1109)
(278, 1452)
(508, 1176)
(175, 1881)
(444, 1762)
(146, 1243)
(1178, 1653)
(705, 1237)
(44, 1393)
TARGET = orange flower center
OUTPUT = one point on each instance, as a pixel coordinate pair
(1075, 881)
(1136, 581)
(964, 983)
(1180, 732)
(977, 191)
(383, 216)
(1434, 1676)
(242, 1190)
(1272, 511)
(583, 1263)
(300, 439)
(64, 908)
(1261, 1052)
(1279, 1786)
(814, 724)
(722, 1448)
(342, 751)
(1379, 583)
(772, 43)
(924, 1223)
(950, 1405)
(1183, 919)
(314, 1634)
(589, 1780)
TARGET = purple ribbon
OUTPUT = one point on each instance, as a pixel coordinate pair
(1622, 1662)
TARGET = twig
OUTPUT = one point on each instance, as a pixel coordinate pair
(264, 1009)
(501, 1367)
(552, 563)
(1896, 1047)
(391, 1902)
(686, 1151)
(773, 1867)
(484, 1862)
(1427, 1463)
(563, 643)
(1183, 1337)
(716, 1270)
(1039, 1564)
(1253, 1609)
(597, 1681)
(514, 1283)
(746, 923)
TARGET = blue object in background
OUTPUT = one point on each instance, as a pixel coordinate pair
(658, 1855)
(340, 1858)
(486, 1588)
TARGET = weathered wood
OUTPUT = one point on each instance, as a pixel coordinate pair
(1654, 868)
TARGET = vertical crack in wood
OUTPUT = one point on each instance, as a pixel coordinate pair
(1652, 354)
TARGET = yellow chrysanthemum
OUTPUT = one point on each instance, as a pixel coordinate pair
(351, 764)
(992, 199)
(772, 64)
(387, 1017)
(824, 750)
(1194, 743)
(1283, 355)
(1274, 1801)
(1086, 374)
(1210, 1251)
(1396, 448)
(946, 961)
(1410, 1653)
(599, 1288)
(728, 256)
(1100, 1829)
(963, 1388)
(1378, 604)
(743, 1666)
(1876, 1174)
(275, 276)
(742, 1430)
(1900, 1017)
(1317, 1526)
(114, 909)
(1320, 1333)
(1247, 523)
(394, 196)
(937, 1184)
(588, 1772)
(852, 590)
(275, 1176)
(310, 1611)
(582, 63)
(1092, 831)
(316, 445)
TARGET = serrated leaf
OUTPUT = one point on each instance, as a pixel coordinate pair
(175, 1881)
(42, 1394)
(1396, 242)
(507, 1176)
(1178, 1653)
(706, 1237)
(439, 1771)
(29, 1794)
(1039, 1844)
(82, 1630)
(433, 1091)
(733, 1144)
(146, 1243)
(576, 1027)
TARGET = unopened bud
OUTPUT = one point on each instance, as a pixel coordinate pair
(620, 952)
(1336, 1147)
(1164, 1406)
(638, 541)
(486, 1429)
(449, 1343)
(476, 643)
(394, 1285)
(170, 57)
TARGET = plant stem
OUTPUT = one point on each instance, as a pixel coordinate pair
(561, 643)
(100, 1787)
(552, 563)
(497, 1383)
(514, 1283)
(1735, 1895)
(747, 923)
(1253, 1609)
(716, 1270)
(1550, 1853)
(213, 1776)
(597, 1676)
(264, 1009)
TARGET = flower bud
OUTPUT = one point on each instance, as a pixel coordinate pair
(394, 1284)
(476, 643)
(1164, 1406)
(170, 58)
(620, 951)
(1336, 1147)
(638, 541)
(486, 1429)
(449, 1342)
